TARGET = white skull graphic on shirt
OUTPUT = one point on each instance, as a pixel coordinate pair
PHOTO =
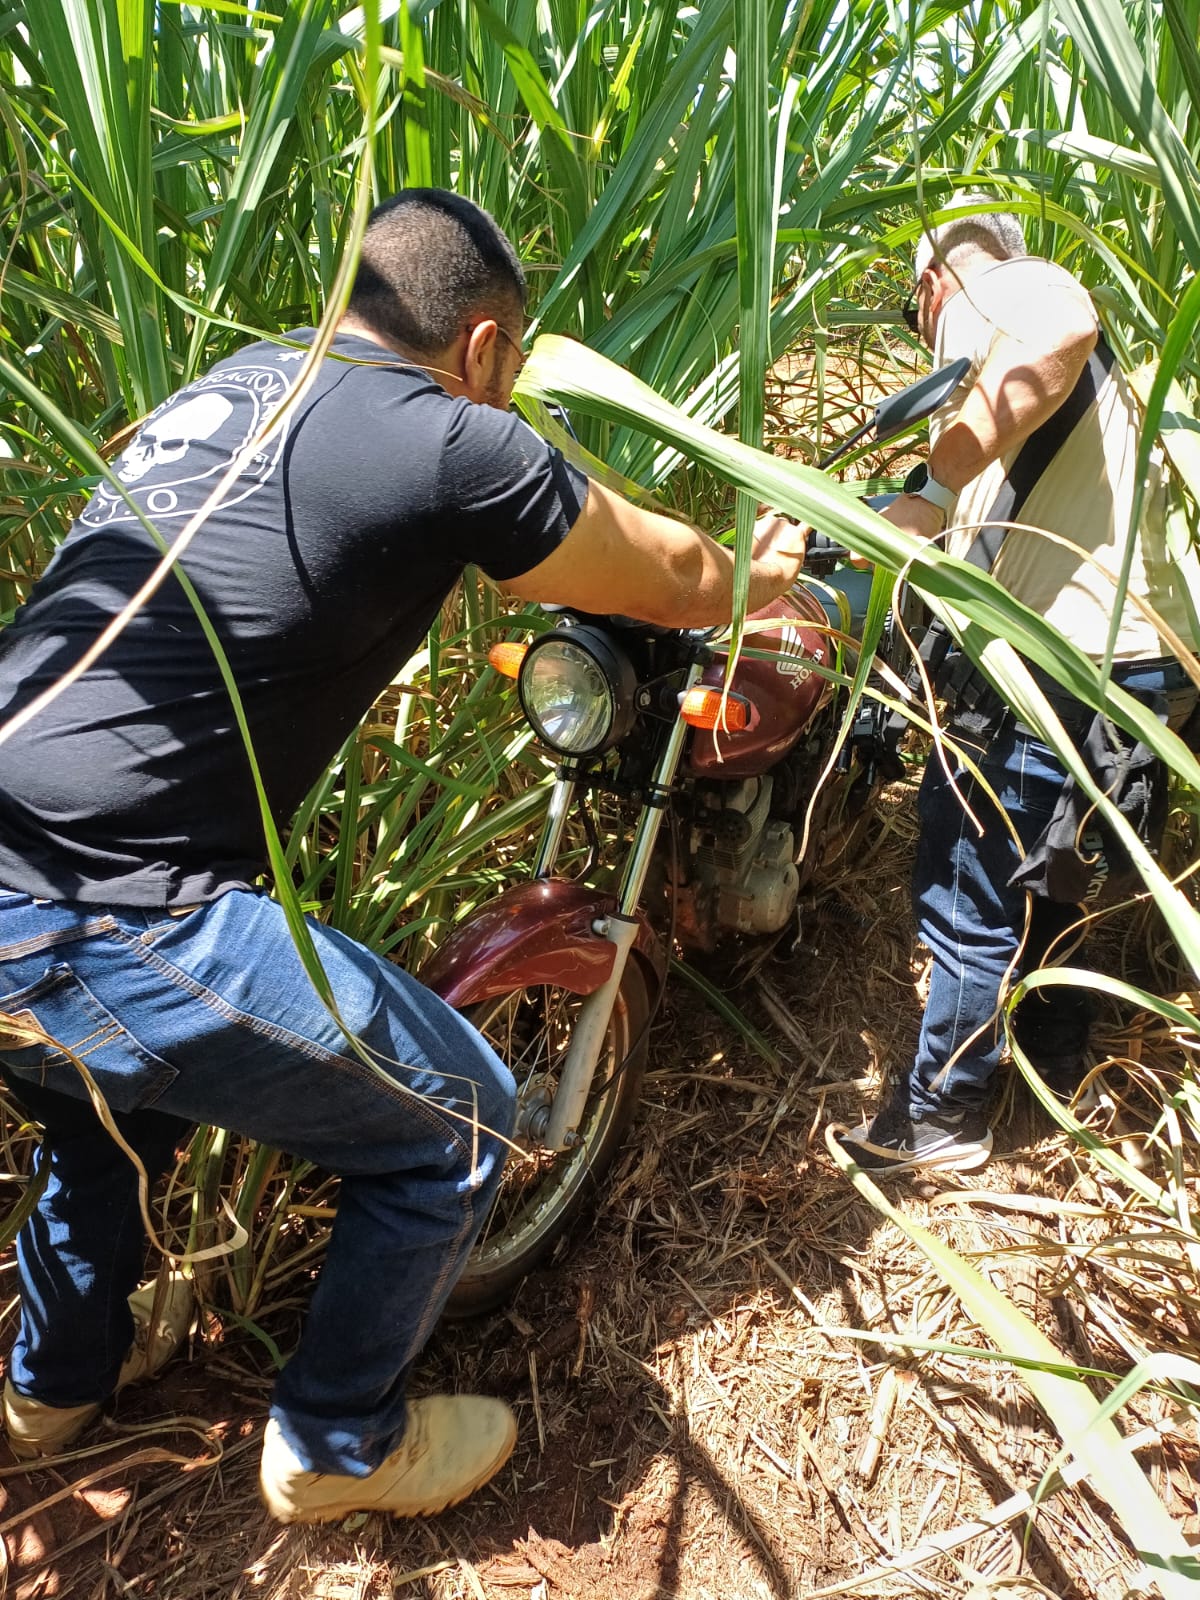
(167, 438)
(162, 472)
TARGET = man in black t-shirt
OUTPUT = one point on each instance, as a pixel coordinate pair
(131, 932)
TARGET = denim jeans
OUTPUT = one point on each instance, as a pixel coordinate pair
(973, 922)
(209, 1017)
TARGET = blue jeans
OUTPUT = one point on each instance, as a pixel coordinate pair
(973, 922)
(209, 1017)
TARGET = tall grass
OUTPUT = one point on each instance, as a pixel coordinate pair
(696, 192)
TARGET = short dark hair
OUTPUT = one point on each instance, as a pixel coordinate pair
(430, 260)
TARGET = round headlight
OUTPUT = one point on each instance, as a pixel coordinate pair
(577, 690)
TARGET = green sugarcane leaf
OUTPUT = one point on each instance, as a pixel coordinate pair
(1098, 152)
(1101, 31)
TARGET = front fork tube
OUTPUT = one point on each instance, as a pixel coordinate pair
(579, 1066)
(561, 796)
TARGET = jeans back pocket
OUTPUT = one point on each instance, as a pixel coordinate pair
(61, 1005)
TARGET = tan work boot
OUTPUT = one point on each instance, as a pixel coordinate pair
(153, 1346)
(453, 1444)
(36, 1429)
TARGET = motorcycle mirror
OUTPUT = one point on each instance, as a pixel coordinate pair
(899, 411)
(920, 400)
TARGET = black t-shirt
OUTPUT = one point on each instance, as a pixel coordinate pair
(321, 573)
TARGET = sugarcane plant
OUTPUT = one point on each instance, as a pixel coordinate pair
(700, 196)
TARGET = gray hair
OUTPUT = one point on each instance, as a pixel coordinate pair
(994, 233)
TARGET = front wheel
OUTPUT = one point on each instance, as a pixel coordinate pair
(543, 1191)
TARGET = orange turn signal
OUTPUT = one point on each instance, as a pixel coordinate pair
(507, 657)
(702, 708)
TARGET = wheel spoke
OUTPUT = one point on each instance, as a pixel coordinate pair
(531, 1030)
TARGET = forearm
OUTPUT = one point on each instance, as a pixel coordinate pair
(766, 584)
(622, 558)
(702, 592)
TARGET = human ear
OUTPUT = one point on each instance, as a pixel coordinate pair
(480, 360)
(929, 303)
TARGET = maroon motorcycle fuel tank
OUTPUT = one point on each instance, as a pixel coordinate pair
(783, 689)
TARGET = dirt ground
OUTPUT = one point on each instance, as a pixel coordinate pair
(695, 1419)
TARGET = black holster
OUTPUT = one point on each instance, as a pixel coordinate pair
(932, 652)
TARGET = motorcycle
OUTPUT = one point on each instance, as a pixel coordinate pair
(563, 975)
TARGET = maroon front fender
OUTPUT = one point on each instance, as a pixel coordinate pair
(539, 932)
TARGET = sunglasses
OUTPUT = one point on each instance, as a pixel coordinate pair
(516, 344)
(910, 315)
(504, 334)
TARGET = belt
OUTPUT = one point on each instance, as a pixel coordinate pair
(1174, 704)
(980, 712)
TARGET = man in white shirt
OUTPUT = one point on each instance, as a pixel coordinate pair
(1030, 331)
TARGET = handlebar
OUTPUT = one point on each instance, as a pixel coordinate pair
(820, 544)
(823, 553)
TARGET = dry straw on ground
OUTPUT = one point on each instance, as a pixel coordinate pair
(694, 1421)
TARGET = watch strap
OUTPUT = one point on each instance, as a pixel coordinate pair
(937, 494)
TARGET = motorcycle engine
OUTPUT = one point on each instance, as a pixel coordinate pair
(743, 857)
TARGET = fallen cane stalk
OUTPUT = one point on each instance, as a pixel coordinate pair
(892, 1386)
(120, 1438)
(1009, 1510)
(1084, 1424)
(139, 1458)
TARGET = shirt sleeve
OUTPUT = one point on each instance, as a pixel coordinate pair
(963, 330)
(506, 498)
(1026, 299)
